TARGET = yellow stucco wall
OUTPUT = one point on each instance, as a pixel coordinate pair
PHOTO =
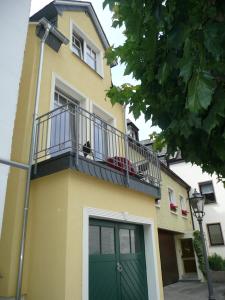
(79, 76)
(165, 218)
(56, 229)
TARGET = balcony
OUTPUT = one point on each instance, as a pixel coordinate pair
(71, 137)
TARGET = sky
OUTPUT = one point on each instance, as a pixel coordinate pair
(116, 38)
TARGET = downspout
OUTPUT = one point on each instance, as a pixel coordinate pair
(125, 119)
(28, 179)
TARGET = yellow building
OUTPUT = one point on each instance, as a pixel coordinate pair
(175, 228)
(92, 231)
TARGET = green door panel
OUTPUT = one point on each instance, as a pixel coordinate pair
(117, 268)
(133, 280)
(103, 281)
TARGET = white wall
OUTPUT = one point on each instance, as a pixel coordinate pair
(14, 16)
(214, 213)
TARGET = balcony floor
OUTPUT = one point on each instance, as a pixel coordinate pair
(93, 168)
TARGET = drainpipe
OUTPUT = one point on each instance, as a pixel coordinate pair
(48, 27)
(125, 119)
(14, 164)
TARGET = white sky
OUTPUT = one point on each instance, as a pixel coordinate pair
(115, 37)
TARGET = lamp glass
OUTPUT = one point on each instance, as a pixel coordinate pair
(197, 202)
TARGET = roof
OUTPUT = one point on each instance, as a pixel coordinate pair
(57, 7)
(129, 122)
(173, 175)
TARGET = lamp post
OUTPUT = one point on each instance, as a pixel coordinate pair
(197, 202)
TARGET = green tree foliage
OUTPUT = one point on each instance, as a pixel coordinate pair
(197, 243)
(176, 49)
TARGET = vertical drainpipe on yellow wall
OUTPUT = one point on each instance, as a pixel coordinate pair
(47, 26)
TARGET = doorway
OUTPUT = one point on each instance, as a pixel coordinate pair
(117, 267)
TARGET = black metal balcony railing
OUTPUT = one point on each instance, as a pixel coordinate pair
(72, 128)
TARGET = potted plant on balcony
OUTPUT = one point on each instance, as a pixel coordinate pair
(184, 212)
(173, 207)
(217, 266)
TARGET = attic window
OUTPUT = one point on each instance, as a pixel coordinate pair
(78, 45)
(86, 50)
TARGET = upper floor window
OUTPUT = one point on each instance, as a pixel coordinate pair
(83, 47)
(183, 206)
(171, 195)
(207, 190)
(215, 234)
(91, 57)
(78, 45)
(172, 200)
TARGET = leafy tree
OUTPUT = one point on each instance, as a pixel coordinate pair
(176, 49)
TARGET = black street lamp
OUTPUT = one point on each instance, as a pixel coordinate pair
(197, 202)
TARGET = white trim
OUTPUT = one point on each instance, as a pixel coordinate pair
(68, 88)
(173, 212)
(87, 41)
(150, 247)
(93, 16)
(104, 114)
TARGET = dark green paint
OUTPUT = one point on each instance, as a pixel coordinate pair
(105, 281)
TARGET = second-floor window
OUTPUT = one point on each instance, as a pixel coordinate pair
(91, 57)
(78, 45)
(86, 51)
(207, 190)
(171, 196)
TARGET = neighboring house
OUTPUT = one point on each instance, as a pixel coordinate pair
(214, 192)
(92, 228)
(175, 228)
(175, 224)
(13, 22)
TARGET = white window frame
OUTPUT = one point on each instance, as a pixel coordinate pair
(183, 203)
(173, 196)
(70, 90)
(149, 240)
(105, 116)
(87, 42)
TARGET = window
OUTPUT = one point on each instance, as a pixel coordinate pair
(86, 50)
(157, 202)
(183, 206)
(63, 131)
(101, 240)
(206, 189)
(173, 206)
(215, 234)
(171, 196)
(78, 45)
(91, 57)
(182, 203)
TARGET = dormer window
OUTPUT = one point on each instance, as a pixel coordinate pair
(86, 50)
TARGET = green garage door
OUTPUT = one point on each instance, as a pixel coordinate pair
(117, 269)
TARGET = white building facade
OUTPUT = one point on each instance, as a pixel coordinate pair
(13, 24)
(214, 192)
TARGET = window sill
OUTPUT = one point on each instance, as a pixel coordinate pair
(174, 212)
(185, 217)
(86, 64)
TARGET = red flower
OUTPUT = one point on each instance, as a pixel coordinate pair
(184, 212)
(173, 206)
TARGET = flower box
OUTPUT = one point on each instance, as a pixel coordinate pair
(173, 207)
(184, 212)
